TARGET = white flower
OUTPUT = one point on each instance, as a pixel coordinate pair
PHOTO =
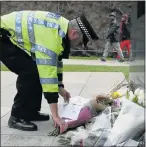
(141, 100)
(131, 96)
(137, 91)
(141, 92)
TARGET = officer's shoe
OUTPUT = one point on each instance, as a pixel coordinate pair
(40, 117)
(21, 124)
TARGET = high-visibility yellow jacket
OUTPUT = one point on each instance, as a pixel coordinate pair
(41, 33)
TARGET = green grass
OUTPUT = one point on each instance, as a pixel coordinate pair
(93, 68)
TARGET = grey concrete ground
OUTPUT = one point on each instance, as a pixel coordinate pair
(86, 84)
(94, 62)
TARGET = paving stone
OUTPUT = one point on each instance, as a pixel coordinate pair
(56, 142)
(22, 140)
(4, 111)
(76, 77)
(7, 79)
(7, 96)
(101, 82)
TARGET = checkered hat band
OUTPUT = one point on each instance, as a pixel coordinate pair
(85, 30)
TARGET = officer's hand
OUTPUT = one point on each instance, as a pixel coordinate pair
(61, 123)
(65, 94)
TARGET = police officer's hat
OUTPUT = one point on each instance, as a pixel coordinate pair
(86, 29)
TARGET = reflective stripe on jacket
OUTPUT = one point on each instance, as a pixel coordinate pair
(39, 32)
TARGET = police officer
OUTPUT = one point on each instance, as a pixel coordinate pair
(33, 44)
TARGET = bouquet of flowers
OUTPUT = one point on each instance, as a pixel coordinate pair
(88, 111)
(92, 108)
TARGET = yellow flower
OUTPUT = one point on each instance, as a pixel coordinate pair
(116, 95)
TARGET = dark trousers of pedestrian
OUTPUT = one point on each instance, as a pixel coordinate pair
(27, 101)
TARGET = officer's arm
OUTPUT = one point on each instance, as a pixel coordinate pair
(60, 72)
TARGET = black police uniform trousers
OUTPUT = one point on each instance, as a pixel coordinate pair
(27, 101)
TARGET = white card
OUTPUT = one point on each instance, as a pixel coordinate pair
(78, 100)
(69, 111)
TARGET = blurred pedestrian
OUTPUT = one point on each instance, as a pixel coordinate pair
(113, 38)
(125, 34)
